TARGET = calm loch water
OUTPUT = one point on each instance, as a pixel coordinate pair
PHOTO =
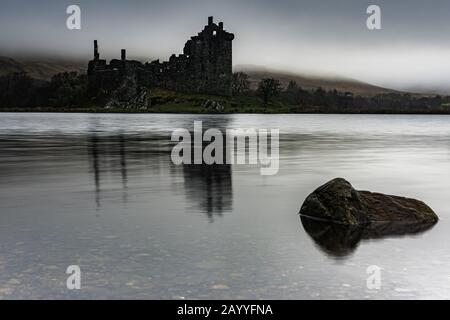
(100, 191)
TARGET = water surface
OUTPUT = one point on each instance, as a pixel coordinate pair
(100, 191)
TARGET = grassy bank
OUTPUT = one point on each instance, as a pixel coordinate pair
(165, 101)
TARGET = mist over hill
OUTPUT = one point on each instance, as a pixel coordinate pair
(39, 69)
(46, 68)
(309, 82)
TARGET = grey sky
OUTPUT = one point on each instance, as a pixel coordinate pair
(313, 36)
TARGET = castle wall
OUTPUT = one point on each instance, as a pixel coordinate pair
(204, 67)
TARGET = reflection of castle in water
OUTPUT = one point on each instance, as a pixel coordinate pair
(97, 153)
(208, 188)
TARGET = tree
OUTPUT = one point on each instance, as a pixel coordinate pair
(290, 95)
(320, 97)
(269, 88)
(17, 90)
(66, 89)
(304, 97)
(292, 87)
(240, 82)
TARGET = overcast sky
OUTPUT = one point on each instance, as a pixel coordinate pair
(313, 36)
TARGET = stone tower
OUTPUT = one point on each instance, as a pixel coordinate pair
(210, 59)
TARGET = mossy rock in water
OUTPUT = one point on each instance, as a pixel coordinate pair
(337, 201)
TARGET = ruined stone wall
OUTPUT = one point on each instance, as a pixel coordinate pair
(204, 67)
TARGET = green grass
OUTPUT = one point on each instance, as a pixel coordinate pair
(166, 101)
(174, 102)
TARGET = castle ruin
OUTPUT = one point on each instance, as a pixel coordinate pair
(204, 67)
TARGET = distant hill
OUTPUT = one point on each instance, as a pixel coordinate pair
(44, 69)
(311, 82)
(40, 70)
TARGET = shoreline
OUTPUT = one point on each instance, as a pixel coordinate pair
(213, 113)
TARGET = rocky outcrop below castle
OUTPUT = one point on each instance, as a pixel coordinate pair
(129, 95)
(212, 106)
(338, 202)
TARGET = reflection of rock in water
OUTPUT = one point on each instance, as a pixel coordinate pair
(209, 187)
(339, 240)
(334, 239)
